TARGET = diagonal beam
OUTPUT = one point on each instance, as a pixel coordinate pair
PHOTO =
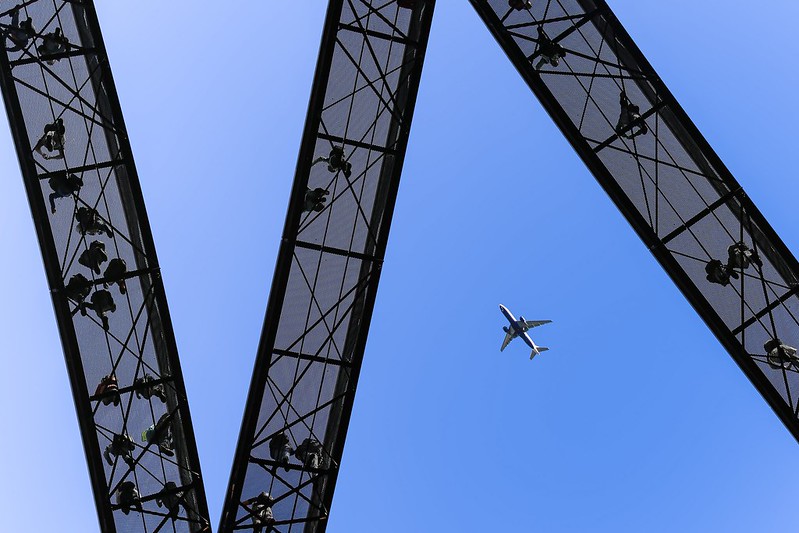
(122, 330)
(701, 197)
(295, 389)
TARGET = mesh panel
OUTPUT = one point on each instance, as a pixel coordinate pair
(671, 186)
(102, 269)
(327, 277)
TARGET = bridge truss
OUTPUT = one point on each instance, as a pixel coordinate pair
(101, 268)
(665, 178)
(84, 194)
(328, 265)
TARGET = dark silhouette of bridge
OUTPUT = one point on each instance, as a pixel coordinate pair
(102, 270)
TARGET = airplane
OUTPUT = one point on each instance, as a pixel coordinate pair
(518, 328)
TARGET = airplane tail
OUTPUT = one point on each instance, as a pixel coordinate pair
(537, 350)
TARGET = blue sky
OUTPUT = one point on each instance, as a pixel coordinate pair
(636, 420)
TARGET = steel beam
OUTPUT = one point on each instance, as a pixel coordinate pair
(328, 266)
(101, 268)
(665, 178)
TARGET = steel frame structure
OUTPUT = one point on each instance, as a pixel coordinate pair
(328, 266)
(73, 149)
(101, 268)
(665, 178)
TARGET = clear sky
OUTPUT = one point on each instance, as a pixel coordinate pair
(635, 420)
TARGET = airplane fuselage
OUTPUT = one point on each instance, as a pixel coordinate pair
(517, 328)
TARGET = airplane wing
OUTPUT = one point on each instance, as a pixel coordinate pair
(508, 338)
(534, 323)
